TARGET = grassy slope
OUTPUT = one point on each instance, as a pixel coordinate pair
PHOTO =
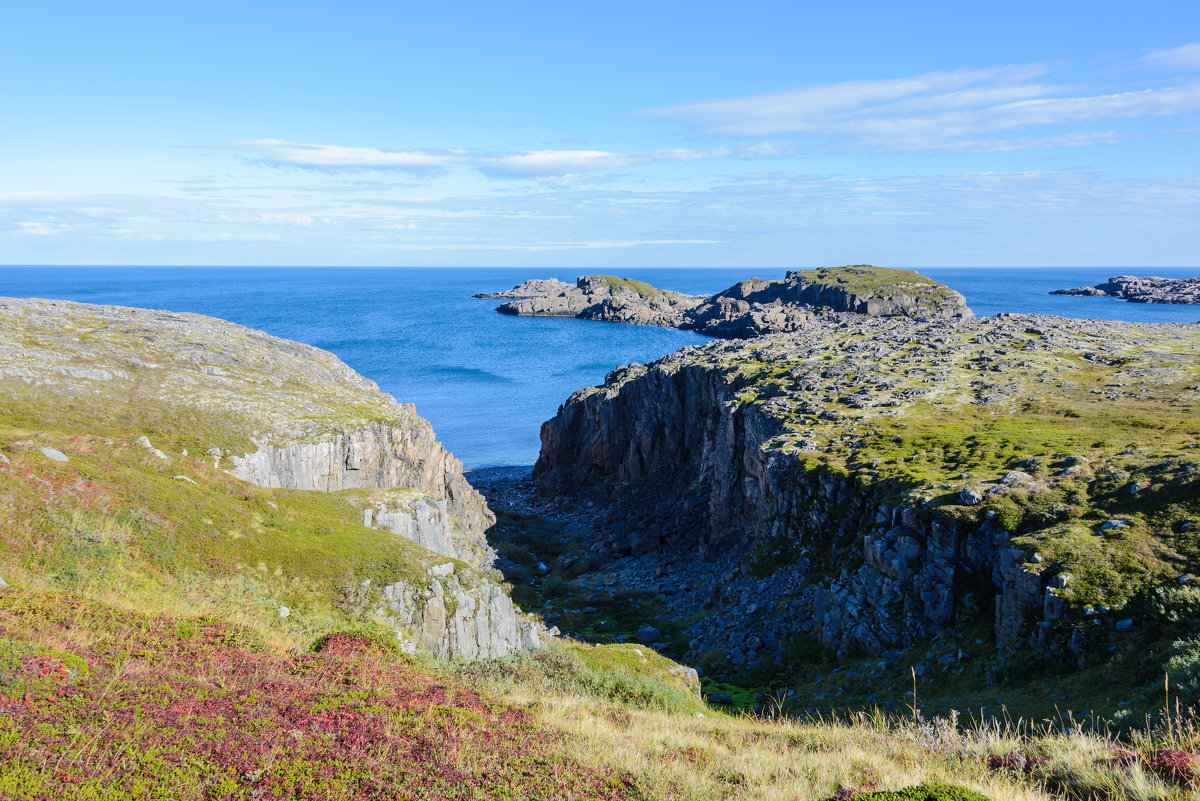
(1119, 406)
(113, 689)
(869, 281)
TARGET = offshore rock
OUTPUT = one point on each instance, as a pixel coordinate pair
(754, 307)
(1139, 289)
(608, 298)
(533, 288)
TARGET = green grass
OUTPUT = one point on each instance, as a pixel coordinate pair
(633, 285)
(114, 522)
(869, 281)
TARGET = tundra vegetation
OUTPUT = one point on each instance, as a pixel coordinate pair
(170, 631)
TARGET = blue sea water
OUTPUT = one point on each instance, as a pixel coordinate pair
(487, 381)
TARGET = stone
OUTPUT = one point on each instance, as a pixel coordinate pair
(720, 699)
(284, 612)
(53, 455)
(4, 459)
(3, 583)
(648, 635)
(971, 496)
(1125, 624)
(184, 478)
(442, 570)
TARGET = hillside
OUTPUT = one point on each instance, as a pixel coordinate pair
(234, 569)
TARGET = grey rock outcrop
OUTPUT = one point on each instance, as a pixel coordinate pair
(608, 298)
(1142, 289)
(757, 307)
(452, 617)
(533, 288)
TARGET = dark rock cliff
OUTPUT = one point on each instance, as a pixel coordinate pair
(752, 472)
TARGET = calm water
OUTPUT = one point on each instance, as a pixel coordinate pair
(487, 381)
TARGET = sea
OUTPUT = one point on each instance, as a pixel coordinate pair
(487, 381)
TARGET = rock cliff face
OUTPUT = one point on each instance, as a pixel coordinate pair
(277, 414)
(378, 455)
(453, 617)
(1138, 289)
(879, 480)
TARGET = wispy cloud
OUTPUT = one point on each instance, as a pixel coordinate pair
(959, 111)
(340, 157)
(1186, 57)
(555, 166)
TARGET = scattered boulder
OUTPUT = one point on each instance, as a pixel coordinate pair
(720, 699)
(971, 496)
(53, 455)
(648, 635)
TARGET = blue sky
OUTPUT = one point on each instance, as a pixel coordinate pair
(601, 134)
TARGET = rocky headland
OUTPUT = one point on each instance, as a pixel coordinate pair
(749, 308)
(201, 395)
(878, 481)
(1142, 289)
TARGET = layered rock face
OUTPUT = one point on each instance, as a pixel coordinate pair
(607, 298)
(378, 455)
(278, 414)
(877, 480)
(1142, 289)
(451, 617)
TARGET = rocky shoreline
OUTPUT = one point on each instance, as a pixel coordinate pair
(1142, 289)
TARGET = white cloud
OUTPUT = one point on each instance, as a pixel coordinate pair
(281, 152)
(543, 246)
(557, 167)
(965, 110)
(1186, 57)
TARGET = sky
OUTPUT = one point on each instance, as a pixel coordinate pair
(601, 134)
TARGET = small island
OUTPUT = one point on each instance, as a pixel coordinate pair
(750, 308)
(1142, 289)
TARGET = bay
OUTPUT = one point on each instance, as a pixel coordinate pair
(487, 381)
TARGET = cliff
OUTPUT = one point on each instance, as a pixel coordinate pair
(878, 480)
(1139, 289)
(199, 396)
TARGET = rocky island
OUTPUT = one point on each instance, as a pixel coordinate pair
(1138, 289)
(747, 309)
